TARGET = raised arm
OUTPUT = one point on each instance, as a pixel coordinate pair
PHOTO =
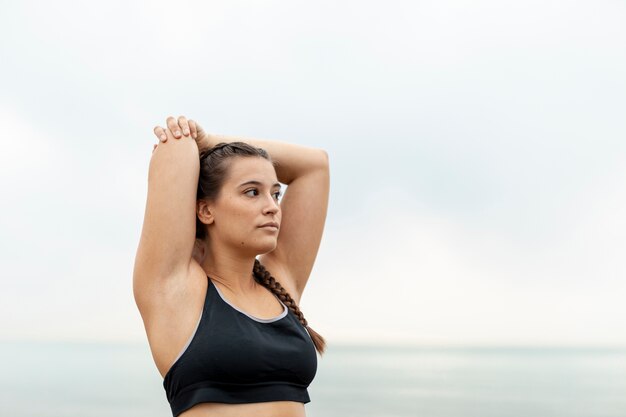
(304, 205)
(168, 233)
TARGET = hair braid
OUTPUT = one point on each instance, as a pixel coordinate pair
(263, 277)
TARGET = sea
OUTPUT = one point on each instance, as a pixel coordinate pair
(54, 379)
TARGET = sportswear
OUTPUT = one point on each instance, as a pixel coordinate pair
(234, 357)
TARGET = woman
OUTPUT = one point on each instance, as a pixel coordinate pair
(226, 333)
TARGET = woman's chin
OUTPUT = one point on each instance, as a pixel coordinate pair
(257, 246)
(266, 248)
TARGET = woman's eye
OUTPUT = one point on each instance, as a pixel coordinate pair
(254, 191)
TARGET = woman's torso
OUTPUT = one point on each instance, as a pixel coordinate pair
(174, 319)
(266, 409)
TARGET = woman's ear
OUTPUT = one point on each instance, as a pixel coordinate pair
(204, 212)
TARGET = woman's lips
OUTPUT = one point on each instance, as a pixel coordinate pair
(270, 224)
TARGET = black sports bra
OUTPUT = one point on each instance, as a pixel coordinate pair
(233, 357)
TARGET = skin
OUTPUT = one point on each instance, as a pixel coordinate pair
(233, 222)
(170, 293)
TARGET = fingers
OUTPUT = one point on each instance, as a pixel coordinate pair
(184, 125)
(160, 133)
(172, 125)
(178, 127)
(169, 134)
(194, 129)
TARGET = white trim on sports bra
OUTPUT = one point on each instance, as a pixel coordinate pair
(189, 341)
(260, 320)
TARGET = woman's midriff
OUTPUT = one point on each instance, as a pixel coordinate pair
(266, 409)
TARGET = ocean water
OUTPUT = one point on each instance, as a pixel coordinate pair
(83, 379)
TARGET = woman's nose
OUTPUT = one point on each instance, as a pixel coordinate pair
(272, 205)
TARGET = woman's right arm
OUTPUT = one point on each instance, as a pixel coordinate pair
(169, 227)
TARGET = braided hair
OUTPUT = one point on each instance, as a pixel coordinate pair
(213, 172)
(263, 277)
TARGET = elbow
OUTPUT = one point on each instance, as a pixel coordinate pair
(322, 159)
(322, 165)
(174, 155)
(185, 147)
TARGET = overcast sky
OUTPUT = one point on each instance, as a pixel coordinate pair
(477, 154)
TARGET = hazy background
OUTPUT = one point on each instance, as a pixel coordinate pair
(477, 156)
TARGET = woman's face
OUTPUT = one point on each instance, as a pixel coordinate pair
(247, 202)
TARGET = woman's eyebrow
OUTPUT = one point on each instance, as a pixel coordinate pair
(255, 182)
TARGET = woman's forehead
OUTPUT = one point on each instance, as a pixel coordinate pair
(252, 169)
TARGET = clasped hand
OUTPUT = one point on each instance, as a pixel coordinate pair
(177, 128)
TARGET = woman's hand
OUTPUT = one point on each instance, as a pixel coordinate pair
(185, 127)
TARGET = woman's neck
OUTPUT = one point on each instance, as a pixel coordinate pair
(232, 270)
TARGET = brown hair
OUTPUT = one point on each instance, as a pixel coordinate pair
(213, 172)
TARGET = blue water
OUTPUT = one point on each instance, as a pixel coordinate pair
(81, 379)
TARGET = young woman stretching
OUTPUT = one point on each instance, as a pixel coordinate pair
(221, 267)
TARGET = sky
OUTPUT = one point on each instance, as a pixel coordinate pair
(477, 153)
